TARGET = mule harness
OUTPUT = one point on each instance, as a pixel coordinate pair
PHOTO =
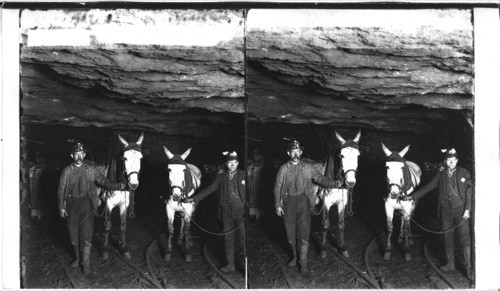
(406, 186)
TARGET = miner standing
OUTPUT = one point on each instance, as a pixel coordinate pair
(78, 201)
(231, 208)
(454, 209)
(294, 200)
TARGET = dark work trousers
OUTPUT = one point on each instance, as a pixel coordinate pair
(80, 220)
(297, 219)
(232, 218)
(451, 217)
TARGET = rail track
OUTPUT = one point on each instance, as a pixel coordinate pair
(74, 281)
(377, 277)
(436, 269)
(151, 280)
(361, 277)
(272, 247)
(375, 273)
(366, 280)
(393, 273)
(151, 270)
(77, 283)
(213, 263)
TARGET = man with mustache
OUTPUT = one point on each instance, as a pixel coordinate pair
(78, 201)
(294, 200)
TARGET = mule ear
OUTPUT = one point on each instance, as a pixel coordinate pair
(139, 141)
(186, 154)
(356, 139)
(168, 153)
(386, 150)
(124, 142)
(340, 138)
(404, 151)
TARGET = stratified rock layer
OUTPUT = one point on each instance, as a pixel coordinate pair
(381, 78)
(172, 89)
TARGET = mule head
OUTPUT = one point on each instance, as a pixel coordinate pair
(395, 165)
(132, 156)
(349, 153)
(177, 170)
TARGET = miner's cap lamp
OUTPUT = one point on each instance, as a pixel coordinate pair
(78, 147)
(294, 144)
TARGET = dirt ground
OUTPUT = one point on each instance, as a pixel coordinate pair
(43, 268)
(42, 241)
(332, 272)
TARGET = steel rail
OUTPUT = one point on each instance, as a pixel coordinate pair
(367, 263)
(443, 277)
(75, 283)
(148, 264)
(280, 262)
(373, 283)
(151, 280)
(210, 259)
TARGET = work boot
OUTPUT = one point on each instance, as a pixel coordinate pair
(86, 260)
(230, 263)
(293, 261)
(76, 261)
(450, 266)
(467, 263)
(303, 259)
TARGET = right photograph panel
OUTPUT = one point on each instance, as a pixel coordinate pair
(360, 149)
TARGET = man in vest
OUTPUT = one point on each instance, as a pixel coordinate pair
(231, 209)
(78, 201)
(294, 199)
(454, 209)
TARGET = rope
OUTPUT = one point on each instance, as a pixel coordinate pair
(432, 231)
(203, 229)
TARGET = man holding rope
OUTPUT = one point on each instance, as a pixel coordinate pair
(455, 195)
(231, 209)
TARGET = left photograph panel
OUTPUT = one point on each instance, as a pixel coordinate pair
(132, 149)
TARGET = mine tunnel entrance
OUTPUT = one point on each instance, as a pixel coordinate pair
(269, 141)
(48, 148)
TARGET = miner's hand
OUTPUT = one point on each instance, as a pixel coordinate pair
(279, 211)
(63, 213)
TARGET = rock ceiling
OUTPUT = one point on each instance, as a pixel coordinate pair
(366, 76)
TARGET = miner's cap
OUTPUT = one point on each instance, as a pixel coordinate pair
(294, 144)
